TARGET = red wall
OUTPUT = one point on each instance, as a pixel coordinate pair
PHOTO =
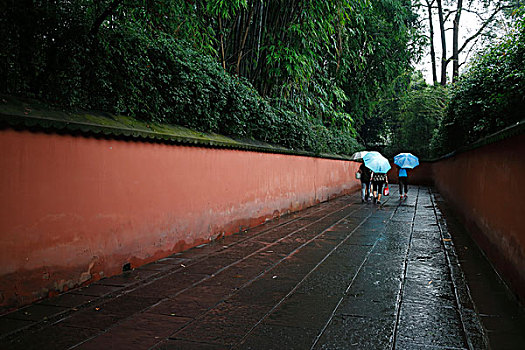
(486, 186)
(74, 209)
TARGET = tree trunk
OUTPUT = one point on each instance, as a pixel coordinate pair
(261, 10)
(455, 43)
(456, 49)
(246, 28)
(432, 50)
(222, 44)
(444, 61)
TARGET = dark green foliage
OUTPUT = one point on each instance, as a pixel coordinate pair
(298, 73)
(386, 44)
(490, 96)
(412, 114)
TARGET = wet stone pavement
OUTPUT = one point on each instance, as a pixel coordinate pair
(340, 275)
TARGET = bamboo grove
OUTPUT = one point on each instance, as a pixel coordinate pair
(300, 73)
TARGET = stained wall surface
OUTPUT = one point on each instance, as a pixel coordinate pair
(75, 209)
(486, 186)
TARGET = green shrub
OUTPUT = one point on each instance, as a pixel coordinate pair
(168, 82)
(148, 74)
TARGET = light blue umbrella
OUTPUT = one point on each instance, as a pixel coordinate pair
(406, 160)
(376, 162)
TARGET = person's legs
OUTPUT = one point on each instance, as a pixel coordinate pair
(379, 192)
(374, 186)
(406, 186)
(403, 188)
(363, 191)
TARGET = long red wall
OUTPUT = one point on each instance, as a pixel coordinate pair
(75, 209)
(487, 186)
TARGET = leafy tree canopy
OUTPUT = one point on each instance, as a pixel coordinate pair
(298, 73)
(411, 114)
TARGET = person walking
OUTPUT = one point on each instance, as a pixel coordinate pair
(405, 161)
(378, 181)
(365, 182)
(403, 183)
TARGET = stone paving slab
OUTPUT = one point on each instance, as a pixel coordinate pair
(339, 275)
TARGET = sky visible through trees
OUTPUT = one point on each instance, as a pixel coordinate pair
(481, 23)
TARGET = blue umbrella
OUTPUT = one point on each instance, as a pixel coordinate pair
(406, 160)
(376, 162)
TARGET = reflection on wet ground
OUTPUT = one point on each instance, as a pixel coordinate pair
(340, 275)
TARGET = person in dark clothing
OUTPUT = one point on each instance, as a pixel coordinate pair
(403, 183)
(365, 182)
(378, 181)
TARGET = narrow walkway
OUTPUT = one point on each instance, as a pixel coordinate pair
(340, 275)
